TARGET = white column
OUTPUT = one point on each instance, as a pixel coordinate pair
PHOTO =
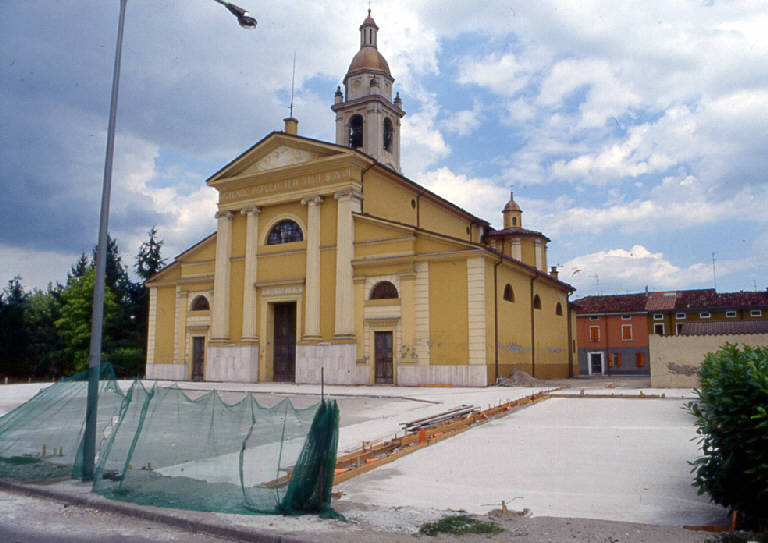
(312, 291)
(539, 257)
(421, 304)
(476, 310)
(151, 326)
(340, 139)
(251, 269)
(220, 324)
(348, 202)
(515, 249)
(180, 325)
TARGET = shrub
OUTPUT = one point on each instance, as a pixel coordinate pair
(459, 525)
(732, 420)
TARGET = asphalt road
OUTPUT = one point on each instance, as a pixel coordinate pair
(26, 519)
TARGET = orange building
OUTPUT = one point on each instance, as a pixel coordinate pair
(612, 334)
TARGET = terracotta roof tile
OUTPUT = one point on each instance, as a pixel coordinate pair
(700, 299)
(659, 301)
(616, 303)
(723, 327)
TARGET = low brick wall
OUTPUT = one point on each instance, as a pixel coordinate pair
(676, 359)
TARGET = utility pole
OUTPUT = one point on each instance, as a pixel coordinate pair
(97, 321)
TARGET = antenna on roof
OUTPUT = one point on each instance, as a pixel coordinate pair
(714, 272)
(293, 79)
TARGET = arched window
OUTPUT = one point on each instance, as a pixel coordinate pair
(559, 309)
(509, 294)
(536, 302)
(384, 290)
(356, 131)
(199, 303)
(285, 232)
(387, 134)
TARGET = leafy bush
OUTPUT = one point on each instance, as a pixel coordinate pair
(732, 420)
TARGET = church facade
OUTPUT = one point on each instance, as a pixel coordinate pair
(328, 263)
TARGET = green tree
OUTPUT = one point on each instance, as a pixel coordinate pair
(79, 268)
(13, 337)
(148, 260)
(43, 310)
(74, 325)
(129, 356)
(116, 275)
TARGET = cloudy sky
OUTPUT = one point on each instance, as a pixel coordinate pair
(634, 134)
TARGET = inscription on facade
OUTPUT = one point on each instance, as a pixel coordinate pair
(281, 291)
(304, 181)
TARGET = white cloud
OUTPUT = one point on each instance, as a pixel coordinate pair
(504, 74)
(622, 270)
(36, 268)
(464, 122)
(421, 142)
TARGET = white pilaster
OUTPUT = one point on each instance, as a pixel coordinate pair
(312, 293)
(252, 213)
(179, 326)
(515, 249)
(220, 325)
(539, 255)
(476, 310)
(348, 202)
(421, 305)
(151, 326)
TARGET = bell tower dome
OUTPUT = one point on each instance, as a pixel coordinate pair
(367, 118)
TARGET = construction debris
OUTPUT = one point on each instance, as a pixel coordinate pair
(440, 418)
(519, 378)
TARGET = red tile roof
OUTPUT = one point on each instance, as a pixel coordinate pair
(723, 327)
(617, 303)
(658, 301)
(701, 299)
(695, 299)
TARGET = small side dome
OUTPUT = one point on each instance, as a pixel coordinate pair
(513, 215)
(512, 205)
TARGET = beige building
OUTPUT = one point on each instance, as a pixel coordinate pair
(327, 259)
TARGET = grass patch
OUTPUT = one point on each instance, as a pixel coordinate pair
(459, 525)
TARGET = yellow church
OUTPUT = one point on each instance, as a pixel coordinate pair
(328, 261)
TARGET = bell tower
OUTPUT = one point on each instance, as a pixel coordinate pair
(367, 118)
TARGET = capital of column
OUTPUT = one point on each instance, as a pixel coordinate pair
(349, 193)
(251, 210)
(224, 214)
(312, 200)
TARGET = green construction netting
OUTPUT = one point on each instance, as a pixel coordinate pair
(158, 446)
(41, 438)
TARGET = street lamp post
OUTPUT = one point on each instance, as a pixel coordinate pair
(97, 321)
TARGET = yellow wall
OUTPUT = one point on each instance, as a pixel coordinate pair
(551, 332)
(436, 218)
(514, 322)
(528, 251)
(166, 313)
(327, 293)
(388, 199)
(237, 277)
(448, 325)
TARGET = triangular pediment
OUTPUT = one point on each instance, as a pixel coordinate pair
(276, 151)
(284, 155)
